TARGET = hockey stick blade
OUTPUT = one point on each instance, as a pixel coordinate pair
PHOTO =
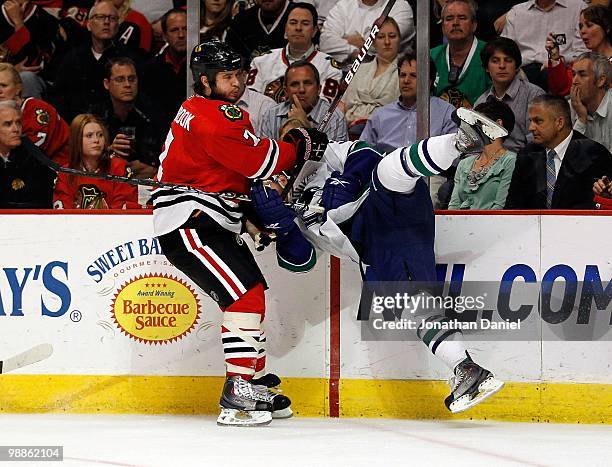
(33, 355)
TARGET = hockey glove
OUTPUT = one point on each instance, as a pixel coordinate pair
(339, 189)
(309, 143)
(271, 210)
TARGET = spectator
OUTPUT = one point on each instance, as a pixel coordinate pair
(215, 18)
(78, 84)
(394, 125)
(40, 121)
(268, 70)
(24, 182)
(375, 84)
(134, 29)
(595, 28)
(89, 152)
(28, 35)
(323, 8)
(255, 103)
(461, 78)
(482, 180)
(528, 24)
(556, 172)
(303, 86)
(602, 188)
(591, 98)
(349, 22)
(501, 59)
(152, 9)
(487, 15)
(259, 29)
(165, 75)
(134, 127)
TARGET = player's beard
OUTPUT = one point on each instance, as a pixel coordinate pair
(219, 97)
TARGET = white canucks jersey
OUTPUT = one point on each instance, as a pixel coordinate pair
(268, 72)
(327, 236)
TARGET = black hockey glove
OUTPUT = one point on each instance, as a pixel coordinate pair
(339, 190)
(310, 144)
(271, 210)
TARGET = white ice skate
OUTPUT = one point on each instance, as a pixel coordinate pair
(244, 404)
(475, 130)
(470, 386)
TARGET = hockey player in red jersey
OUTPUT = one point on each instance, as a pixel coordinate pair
(41, 122)
(211, 147)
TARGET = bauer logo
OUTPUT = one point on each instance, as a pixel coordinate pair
(156, 308)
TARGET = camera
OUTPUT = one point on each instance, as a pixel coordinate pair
(560, 39)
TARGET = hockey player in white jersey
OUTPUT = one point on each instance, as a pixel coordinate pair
(268, 70)
(377, 212)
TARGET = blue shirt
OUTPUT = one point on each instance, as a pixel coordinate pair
(394, 125)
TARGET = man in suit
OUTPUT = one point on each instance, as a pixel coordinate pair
(556, 171)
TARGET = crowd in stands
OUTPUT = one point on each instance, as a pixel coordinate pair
(94, 84)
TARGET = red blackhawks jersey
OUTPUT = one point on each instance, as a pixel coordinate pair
(46, 129)
(211, 146)
(268, 72)
(94, 193)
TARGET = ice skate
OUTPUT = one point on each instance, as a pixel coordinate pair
(475, 131)
(244, 404)
(281, 404)
(470, 385)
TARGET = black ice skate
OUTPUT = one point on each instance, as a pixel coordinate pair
(475, 131)
(471, 385)
(244, 404)
(281, 404)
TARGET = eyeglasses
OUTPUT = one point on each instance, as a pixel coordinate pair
(122, 79)
(102, 18)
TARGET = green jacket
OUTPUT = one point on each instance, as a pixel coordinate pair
(490, 192)
(473, 80)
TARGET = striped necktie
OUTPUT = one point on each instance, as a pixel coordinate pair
(551, 176)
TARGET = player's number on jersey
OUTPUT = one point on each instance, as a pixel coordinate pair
(250, 136)
(42, 137)
(251, 77)
(330, 89)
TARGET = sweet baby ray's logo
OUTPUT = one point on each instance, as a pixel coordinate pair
(156, 308)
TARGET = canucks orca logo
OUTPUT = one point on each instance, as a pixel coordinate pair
(42, 116)
(231, 112)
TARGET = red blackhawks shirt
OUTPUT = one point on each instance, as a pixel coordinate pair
(93, 193)
(46, 129)
(211, 147)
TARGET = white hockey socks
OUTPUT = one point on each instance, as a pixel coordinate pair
(400, 170)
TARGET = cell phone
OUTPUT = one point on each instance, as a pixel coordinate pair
(560, 39)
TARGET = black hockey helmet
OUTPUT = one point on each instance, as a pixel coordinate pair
(212, 56)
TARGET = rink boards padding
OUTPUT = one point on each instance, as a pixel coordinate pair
(87, 285)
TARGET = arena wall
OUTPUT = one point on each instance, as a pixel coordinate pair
(89, 285)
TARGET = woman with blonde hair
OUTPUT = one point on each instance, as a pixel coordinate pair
(88, 146)
(376, 83)
(215, 18)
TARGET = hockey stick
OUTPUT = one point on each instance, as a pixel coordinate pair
(33, 355)
(356, 64)
(43, 159)
(346, 81)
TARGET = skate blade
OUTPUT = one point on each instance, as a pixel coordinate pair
(234, 417)
(283, 413)
(488, 126)
(486, 389)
